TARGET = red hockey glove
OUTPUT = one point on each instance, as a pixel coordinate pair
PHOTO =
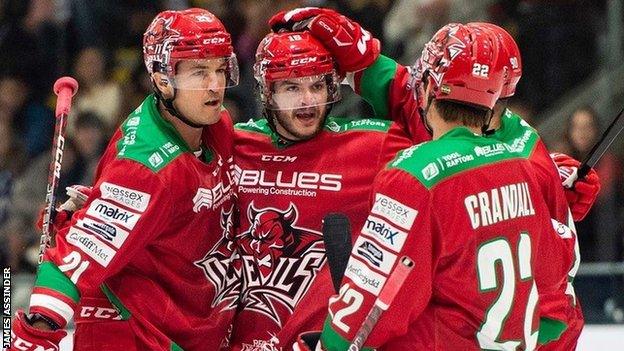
(583, 193)
(26, 337)
(78, 195)
(308, 341)
(353, 48)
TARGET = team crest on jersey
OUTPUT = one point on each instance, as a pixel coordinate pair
(279, 259)
(221, 264)
(275, 263)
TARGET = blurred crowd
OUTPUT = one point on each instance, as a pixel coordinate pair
(99, 43)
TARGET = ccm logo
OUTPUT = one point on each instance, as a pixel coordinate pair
(279, 158)
(302, 61)
(100, 313)
(214, 41)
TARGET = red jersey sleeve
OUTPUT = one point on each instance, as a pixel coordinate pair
(384, 85)
(392, 230)
(128, 205)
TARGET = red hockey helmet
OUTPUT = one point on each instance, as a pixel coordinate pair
(458, 63)
(193, 34)
(509, 56)
(295, 57)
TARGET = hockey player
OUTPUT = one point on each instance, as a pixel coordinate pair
(475, 247)
(560, 310)
(131, 269)
(292, 168)
(580, 198)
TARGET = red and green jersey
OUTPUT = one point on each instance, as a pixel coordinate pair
(284, 191)
(560, 309)
(469, 213)
(149, 237)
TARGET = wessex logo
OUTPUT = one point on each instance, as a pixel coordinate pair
(128, 197)
(395, 211)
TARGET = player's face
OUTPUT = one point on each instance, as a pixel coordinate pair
(583, 130)
(200, 87)
(301, 106)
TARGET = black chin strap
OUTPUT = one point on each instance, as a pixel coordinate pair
(168, 105)
(485, 129)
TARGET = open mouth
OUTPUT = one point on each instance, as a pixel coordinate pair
(213, 102)
(306, 116)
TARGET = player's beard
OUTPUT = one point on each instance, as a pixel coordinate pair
(285, 120)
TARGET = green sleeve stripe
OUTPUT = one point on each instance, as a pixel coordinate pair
(550, 330)
(175, 347)
(49, 276)
(375, 85)
(123, 311)
(332, 341)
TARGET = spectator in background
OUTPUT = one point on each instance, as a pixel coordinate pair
(30, 43)
(98, 92)
(90, 138)
(11, 162)
(32, 122)
(134, 90)
(558, 41)
(28, 199)
(599, 237)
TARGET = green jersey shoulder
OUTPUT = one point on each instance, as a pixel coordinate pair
(513, 129)
(149, 139)
(457, 151)
(332, 124)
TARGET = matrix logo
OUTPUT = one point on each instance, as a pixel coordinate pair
(110, 213)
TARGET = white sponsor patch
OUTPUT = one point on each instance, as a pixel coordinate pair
(395, 211)
(107, 231)
(384, 233)
(110, 213)
(91, 245)
(373, 253)
(125, 196)
(363, 277)
(563, 230)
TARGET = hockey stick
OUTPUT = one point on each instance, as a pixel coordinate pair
(596, 153)
(387, 294)
(65, 88)
(337, 238)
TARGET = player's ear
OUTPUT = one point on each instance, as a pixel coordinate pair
(162, 83)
